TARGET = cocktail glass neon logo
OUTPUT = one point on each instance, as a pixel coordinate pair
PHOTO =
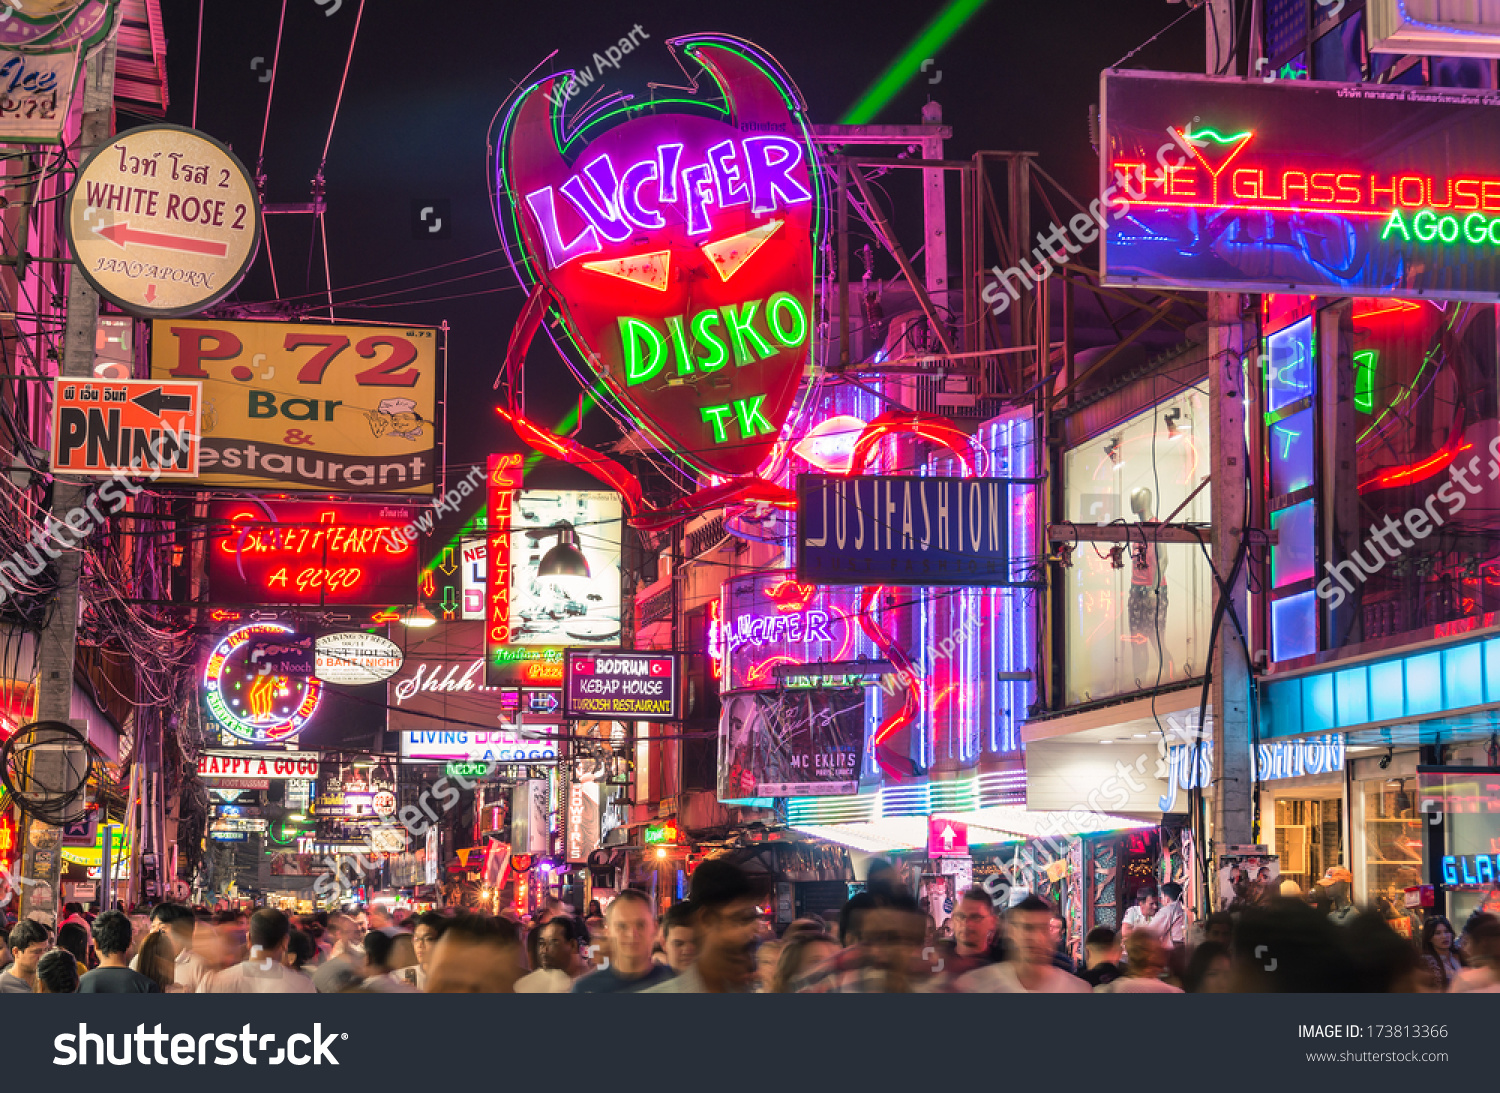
(258, 708)
(1226, 176)
(679, 248)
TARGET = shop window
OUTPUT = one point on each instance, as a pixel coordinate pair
(1393, 833)
(1144, 468)
(1138, 613)
(1136, 627)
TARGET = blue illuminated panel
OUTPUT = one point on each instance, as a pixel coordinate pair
(1290, 374)
(1425, 684)
(1293, 451)
(1294, 626)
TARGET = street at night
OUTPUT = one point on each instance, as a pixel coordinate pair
(972, 497)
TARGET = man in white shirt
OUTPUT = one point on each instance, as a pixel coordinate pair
(266, 971)
(1170, 923)
(1031, 971)
(1141, 914)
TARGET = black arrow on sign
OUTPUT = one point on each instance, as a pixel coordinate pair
(154, 402)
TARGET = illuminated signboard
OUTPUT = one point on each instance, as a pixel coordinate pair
(442, 687)
(678, 246)
(770, 619)
(791, 743)
(1459, 790)
(1295, 186)
(310, 553)
(615, 684)
(242, 764)
(903, 529)
(531, 740)
(554, 570)
(356, 657)
(251, 706)
(1470, 870)
(662, 834)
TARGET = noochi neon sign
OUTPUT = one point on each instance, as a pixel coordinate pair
(674, 243)
(254, 706)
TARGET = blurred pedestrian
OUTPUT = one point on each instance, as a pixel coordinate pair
(974, 928)
(630, 928)
(726, 923)
(265, 970)
(1030, 969)
(890, 956)
(476, 956)
(429, 930)
(678, 938)
(156, 960)
(558, 957)
(28, 941)
(801, 954)
(1101, 957)
(1170, 922)
(1146, 960)
(1209, 971)
(1141, 913)
(344, 967)
(1482, 936)
(73, 937)
(1288, 947)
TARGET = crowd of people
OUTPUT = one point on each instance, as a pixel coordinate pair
(720, 941)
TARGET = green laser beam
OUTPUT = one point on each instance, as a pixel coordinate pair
(933, 38)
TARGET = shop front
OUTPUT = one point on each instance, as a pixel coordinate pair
(1419, 731)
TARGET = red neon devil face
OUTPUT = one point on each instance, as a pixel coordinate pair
(680, 249)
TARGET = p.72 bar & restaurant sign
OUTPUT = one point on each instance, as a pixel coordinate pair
(309, 406)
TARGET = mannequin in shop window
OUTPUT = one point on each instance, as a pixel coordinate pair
(1148, 598)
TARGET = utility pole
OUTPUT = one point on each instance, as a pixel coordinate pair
(58, 764)
(1232, 785)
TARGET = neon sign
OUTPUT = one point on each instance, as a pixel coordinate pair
(770, 619)
(254, 707)
(1294, 186)
(299, 552)
(1470, 870)
(676, 248)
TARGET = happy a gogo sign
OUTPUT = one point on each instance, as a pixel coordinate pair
(676, 247)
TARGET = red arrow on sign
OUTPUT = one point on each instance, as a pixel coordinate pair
(121, 234)
(150, 293)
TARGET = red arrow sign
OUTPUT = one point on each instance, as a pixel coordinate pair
(121, 234)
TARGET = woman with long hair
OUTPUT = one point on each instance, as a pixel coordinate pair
(158, 961)
(799, 955)
(1443, 960)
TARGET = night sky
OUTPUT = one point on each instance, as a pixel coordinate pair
(427, 78)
